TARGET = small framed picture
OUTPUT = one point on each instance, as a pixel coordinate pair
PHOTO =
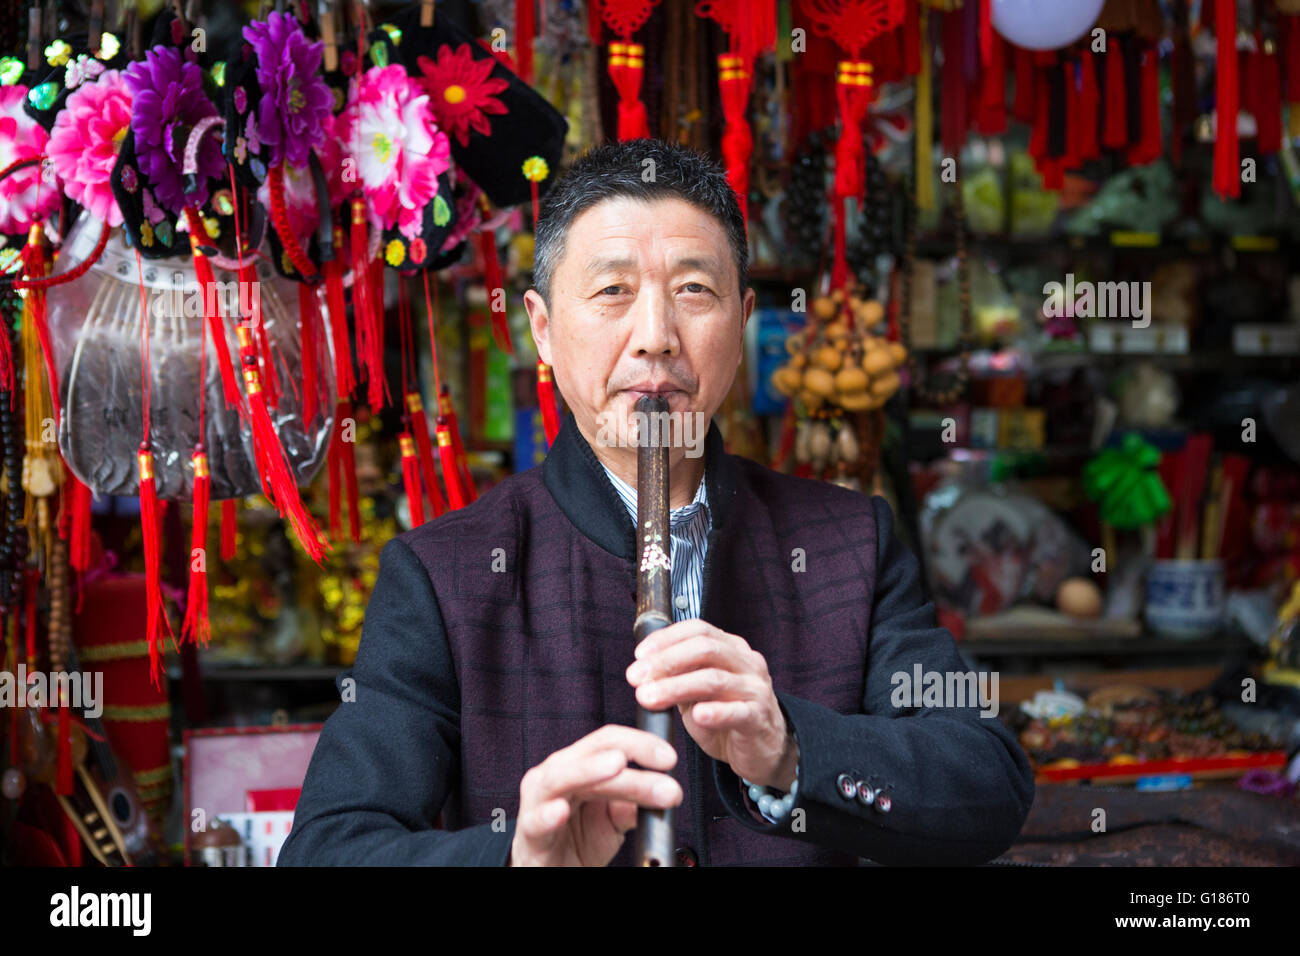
(249, 778)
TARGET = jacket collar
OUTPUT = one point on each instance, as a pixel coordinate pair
(576, 480)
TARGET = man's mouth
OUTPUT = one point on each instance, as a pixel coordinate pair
(667, 392)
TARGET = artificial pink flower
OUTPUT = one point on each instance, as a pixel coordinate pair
(31, 194)
(389, 129)
(84, 143)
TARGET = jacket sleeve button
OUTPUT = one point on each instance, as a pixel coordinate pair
(685, 856)
(883, 803)
(847, 786)
(866, 796)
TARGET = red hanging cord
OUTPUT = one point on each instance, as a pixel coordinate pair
(1227, 172)
(149, 516)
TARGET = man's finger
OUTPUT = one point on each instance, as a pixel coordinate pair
(643, 788)
(724, 714)
(673, 633)
(637, 745)
(691, 654)
(711, 683)
(622, 814)
(543, 822)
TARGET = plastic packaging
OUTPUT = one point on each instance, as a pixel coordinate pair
(95, 331)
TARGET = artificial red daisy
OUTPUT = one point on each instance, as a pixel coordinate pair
(461, 91)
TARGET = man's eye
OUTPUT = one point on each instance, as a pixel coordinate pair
(696, 287)
(611, 290)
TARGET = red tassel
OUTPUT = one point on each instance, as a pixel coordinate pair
(1089, 105)
(525, 29)
(35, 266)
(64, 783)
(737, 140)
(411, 480)
(420, 431)
(953, 118)
(1268, 99)
(1151, 146)
(1291, 39)
(496, 290)
(992, 116)
(1038, 129)
(626, 68)
(546, 400)
(1073, 158)
(149, 522)
(450, 473)
(447, 413)
(348, 465)
(229, 529)
(212, 309)
(273, 465)
(31, 578)
(1227, 171)
(308, 314)
(367, 310)
(196, 627)
(912, 39)
(1023, 106)
(1115, 133)
(7, 366)
(336, 306)
(334, 463)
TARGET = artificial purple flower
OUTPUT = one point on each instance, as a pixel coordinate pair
(295, 100)
(168, 100)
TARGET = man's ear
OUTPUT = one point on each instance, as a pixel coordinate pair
(747, 310)
(540, 322)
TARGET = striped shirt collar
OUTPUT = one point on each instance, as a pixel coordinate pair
(678, 517)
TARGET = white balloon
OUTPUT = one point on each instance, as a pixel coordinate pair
(1044, 24)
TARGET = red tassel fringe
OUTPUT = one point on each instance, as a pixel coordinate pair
(450, 472)
(546, 400)
(411, 480)
(149, 525)
(212, 309)
(273, 465)
(229, 529)
(1227, 172)
(367, 308)
(496, 291)
(308, 315)
(196, 627)
(420, 431)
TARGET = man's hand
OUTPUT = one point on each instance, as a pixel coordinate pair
(576, 805)
(724, 692)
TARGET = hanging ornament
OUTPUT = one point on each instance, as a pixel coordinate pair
(1044, 24)
(852, 24)
(627, 62)
(751, 30)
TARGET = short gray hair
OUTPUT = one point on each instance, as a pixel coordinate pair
(644, 169)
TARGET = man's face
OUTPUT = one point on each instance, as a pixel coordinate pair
(645, 298)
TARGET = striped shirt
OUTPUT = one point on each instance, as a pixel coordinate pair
(689, 528)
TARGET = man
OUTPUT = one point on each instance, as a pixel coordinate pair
(497, 680)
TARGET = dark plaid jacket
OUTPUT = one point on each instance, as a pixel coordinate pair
(500, 633)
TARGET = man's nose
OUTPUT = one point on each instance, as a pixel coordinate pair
(653, 324)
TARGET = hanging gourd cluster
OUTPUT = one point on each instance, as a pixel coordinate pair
(839, 366)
